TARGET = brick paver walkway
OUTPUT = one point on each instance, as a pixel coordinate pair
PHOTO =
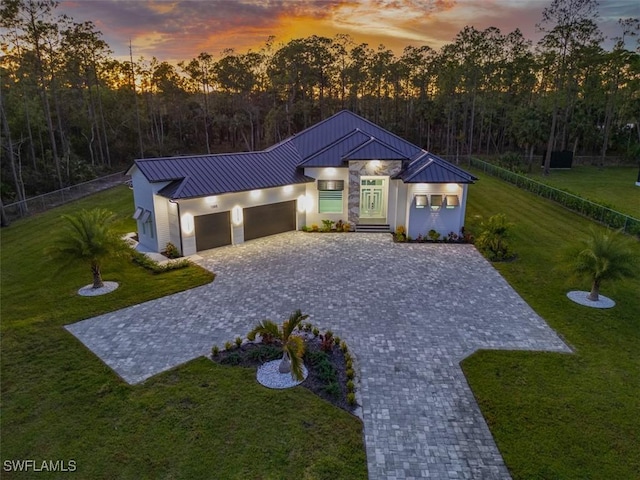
(410, 313)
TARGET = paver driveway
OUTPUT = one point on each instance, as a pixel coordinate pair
(410, 313)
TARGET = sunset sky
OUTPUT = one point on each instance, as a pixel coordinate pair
(180, 30)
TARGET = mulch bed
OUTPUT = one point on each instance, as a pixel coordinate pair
(328, 382)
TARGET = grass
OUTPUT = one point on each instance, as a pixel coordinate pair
(611, 186)
(556, 415)
(200, 420)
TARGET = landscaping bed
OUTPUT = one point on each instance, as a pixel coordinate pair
(329, 376)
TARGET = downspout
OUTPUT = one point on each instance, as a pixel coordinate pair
(179, 228)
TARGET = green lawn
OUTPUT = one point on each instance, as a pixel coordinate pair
(611, 186)
(554, 415)
(200, 420)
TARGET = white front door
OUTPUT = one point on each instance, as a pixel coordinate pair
(373, 205)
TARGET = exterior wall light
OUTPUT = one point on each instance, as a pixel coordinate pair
(421, 201)
(436, 202)
(210, 200)
(188, 224)
(375, 163)
(308, 203)
(452, 187)
(236, 215)
(330, 171)
(287, 189)
(255, 193)
(302, 204)
(452, 201)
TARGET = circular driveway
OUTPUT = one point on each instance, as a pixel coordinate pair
(409, 312)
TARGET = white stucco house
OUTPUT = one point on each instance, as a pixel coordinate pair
(343, 168)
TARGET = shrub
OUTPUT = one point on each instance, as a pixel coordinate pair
(233, 358)
(215, 350)
(336, 340)
(350, 373)
(238, 342)
(332, 389)
(492, 240)
(326, 341)
(326, 372)
(141, 259)
(350, 386)
(346, 227)
(265, 353)
(453, 237)
(327, 225)
(316, 332)
(228, 345)
(433, 235)
(304, 228)
(351, 398)
(171, 251)
(314, 227)
(401, 234)
(344, 347)
(307, 327)
(339, 226)
(349, 364)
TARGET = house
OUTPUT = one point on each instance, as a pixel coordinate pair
(343, 168)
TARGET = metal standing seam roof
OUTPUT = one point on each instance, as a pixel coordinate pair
(205, 175)
(344, 136)
(429, 168)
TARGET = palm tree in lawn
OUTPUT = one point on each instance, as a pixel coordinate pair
(603, 255)
(292, 345)
(88, 237)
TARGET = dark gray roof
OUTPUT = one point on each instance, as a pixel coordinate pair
(217, 174)
(333, 130)
(429, 168)
(331, 143)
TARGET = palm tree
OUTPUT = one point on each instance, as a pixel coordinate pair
(603, 255)
(88, 236)
(292, 345)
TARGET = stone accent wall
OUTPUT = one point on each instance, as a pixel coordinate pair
(359, 168)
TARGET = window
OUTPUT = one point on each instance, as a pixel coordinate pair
(330, 201)
(330, 196)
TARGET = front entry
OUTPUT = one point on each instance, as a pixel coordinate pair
(373, 199)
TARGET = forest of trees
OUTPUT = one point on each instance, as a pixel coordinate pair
(70, 111)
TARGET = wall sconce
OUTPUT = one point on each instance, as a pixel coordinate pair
(210, 200)
(436, 202)
(452, 201)
(452, 187)
(236, 215)
(330, 171)
(375, 163)
(255, 193)
(287, 189)
(302, 204)
(188, 224)
(421, 201)
(308, 203)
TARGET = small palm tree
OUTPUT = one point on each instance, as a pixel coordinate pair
(88, 237)
(292, 345)
(603, 255)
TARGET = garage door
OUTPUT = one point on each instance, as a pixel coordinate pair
(213, 230)
(269, 219)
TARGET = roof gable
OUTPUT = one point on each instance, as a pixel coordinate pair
(429, 168)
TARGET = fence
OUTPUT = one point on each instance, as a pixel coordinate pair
(49, 200)
(595, 211)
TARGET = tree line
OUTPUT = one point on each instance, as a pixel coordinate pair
(70, 111)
